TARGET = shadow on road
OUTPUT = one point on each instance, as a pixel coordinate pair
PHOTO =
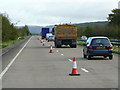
(93, 58)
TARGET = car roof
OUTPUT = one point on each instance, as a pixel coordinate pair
(97, 37)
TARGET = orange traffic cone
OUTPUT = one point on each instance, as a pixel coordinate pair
(74, 68)
(51, 51)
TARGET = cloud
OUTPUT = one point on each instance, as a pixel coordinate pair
(57, 11)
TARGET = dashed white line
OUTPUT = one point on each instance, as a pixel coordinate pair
(84, 70)
(70, 60)
(8, 66)
(62, 54)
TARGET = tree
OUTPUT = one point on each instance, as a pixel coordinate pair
(88, 31)
(9, 31)
(114, 22)
(114, 17)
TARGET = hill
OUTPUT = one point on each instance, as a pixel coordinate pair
(92, 24)
(37, 29)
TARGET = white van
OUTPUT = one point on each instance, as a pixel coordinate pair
(49, 37)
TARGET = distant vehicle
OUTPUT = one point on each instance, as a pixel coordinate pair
(20, 37)
(84, 38)
(65, 35)
(44, 32)
(51, 38)
(98, 46)
(48, 35)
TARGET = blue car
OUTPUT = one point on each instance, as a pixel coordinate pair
(97, 46)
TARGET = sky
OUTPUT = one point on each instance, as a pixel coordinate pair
(50, 12)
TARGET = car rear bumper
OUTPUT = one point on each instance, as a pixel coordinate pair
(100, 52)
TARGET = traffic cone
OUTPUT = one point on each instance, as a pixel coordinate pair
(74, 68)
(40, 40)
(51, 51)
(43, 43)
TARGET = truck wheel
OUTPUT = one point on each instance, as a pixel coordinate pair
(84, 56)
(105, 56)
(58, 46)
(111, 57)
(70, 46)
(73, 46)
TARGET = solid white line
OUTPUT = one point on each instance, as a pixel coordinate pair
(70, 60)
(84, 70)
(5, 70)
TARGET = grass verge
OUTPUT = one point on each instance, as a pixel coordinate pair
(11, 42)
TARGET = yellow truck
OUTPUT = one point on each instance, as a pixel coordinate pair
(65, 35)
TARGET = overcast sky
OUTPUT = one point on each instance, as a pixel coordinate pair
(47, 12)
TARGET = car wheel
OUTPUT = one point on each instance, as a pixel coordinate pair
(111, 57)
(89, 57)
(84, 56)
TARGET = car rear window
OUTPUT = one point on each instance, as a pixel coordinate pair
(99, 41)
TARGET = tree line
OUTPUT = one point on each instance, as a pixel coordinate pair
(10, 31)
(111, 30)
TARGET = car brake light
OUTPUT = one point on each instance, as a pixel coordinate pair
(90, 47)
(110, 47)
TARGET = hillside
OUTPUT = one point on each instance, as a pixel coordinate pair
(37, 29)
(92, 24)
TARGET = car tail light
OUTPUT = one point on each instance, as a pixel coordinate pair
(90, 47)
(110, 47)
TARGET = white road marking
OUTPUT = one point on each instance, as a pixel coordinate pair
(62, 54)
(8, 66)
(70, 60)
(84, 70)
(57, 51)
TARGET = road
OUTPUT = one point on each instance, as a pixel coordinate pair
(35, 67)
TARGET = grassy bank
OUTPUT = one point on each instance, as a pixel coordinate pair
(11, 42)
(116, 49)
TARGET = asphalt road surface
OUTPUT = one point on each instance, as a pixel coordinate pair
(35, 67)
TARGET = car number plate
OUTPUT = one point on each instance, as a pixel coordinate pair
(100, 47)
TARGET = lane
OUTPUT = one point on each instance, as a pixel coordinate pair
(35, 67)
(11, 62)
(102, 72)
(10, 54)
